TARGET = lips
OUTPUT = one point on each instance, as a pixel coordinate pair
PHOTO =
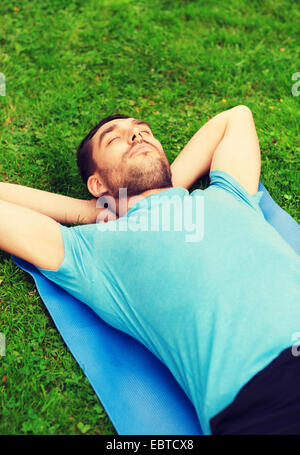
(139, 148)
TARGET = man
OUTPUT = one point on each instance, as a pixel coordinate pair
(220, 311)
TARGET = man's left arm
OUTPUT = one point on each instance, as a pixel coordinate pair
(227, 142)
(195, 159)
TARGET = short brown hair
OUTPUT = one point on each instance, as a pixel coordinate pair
(86, 164)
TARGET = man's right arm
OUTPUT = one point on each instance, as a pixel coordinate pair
(31, 236)
(63, 209)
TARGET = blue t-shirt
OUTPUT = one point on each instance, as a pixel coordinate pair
(201, 279)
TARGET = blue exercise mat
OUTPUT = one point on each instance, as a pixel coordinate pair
(138, 392)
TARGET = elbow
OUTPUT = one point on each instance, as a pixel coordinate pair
(242, 108)
(2, 188)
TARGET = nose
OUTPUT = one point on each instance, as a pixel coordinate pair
(136, 136)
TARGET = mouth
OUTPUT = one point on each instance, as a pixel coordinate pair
(140, 148)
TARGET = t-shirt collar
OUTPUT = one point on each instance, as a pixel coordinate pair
(169, 192)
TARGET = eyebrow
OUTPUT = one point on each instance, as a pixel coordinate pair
(113, 127)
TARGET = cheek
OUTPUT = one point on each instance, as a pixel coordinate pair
(113, 156)
(160, 148)
(158, 145)
(156, 142)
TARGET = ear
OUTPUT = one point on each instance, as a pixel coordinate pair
(95, 186)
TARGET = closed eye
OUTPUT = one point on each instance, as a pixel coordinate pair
(117, 137)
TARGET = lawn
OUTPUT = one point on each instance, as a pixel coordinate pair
(174, 63)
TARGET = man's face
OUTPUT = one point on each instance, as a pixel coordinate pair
(128, 156)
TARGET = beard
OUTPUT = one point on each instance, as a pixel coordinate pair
(151, 172)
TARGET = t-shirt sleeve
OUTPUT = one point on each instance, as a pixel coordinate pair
(226, 182)
(72, 274)
(82, 272)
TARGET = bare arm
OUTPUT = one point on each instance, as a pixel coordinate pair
(238, 153)
(226, 142)
(63, 209)
(31, 236)
(195, 159)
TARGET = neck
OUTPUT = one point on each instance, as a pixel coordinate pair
(123, 205)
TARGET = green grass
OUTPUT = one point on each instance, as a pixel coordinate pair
(174, 63)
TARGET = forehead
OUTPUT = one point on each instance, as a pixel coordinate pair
(121, 123)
